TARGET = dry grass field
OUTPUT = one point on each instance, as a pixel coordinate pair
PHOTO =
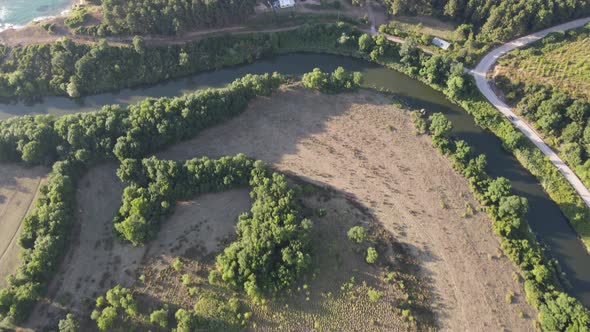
(18, 188)
(364, 149)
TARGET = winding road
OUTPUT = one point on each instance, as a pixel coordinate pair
(483, 84)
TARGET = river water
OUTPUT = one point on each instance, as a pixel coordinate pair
(20, 12)
(544, 216)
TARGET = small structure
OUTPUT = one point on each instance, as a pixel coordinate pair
(441, 43)
(286, 3)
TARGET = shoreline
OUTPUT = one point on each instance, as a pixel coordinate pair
(66, 9)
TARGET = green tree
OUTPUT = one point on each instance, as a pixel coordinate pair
(357, 234)
(159, 317)
(366, 43)
(440, 126)
(372, 255)
(69, 324)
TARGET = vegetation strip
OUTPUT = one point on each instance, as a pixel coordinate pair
(557, 310)
(83, 140)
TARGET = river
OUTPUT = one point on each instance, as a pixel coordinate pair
(544, 216)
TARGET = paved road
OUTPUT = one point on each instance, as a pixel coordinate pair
(480, 74)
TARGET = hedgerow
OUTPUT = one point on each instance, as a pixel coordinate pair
(557, 310)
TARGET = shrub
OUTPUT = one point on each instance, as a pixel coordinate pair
(372, 255)
(357, 234)
(374, 295)
(159, 317)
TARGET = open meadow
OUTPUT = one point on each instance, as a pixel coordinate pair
(440, 263)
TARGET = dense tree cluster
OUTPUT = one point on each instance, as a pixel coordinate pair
(338, 81)
(83, 139)
(488, 18)
(273, 241)
(127, 132)
(272, 247)
(43, 240)
(557, 310)
(157, 185)
(168, 16)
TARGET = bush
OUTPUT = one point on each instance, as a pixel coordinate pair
(357, 234)
(159, 317)
(372, 255)
(69, 324)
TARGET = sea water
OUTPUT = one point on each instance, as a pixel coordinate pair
(16, 13)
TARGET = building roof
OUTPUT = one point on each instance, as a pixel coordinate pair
(286, 3)
(441, 43)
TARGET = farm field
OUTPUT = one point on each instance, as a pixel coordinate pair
(562, 64)
(364, 149)
(18, 189)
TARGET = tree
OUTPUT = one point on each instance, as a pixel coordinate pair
(372, 255)
(69, 324)
(139, 44)
(440, 126)
(185, 321)
(106, 319)
(366, 43)
(512, 206)
(498, 188)
(357, 234)
(159, 317)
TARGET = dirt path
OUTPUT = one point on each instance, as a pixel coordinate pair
(19, 186)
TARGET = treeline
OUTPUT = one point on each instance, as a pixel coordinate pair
(492, 20)
(167, 16)
(129, 132)
(272, 246)
(338, 81)
(273, 241)
(70, 69)
(557, 310)
(81, 140)
(156, 186)
(43, 241)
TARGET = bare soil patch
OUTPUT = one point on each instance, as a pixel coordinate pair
(18, 188)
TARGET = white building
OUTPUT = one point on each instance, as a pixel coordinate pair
(286, 3)
(441, 43)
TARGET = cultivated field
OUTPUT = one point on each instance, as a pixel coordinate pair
(18, 187)
(362, 147)
(565, 65)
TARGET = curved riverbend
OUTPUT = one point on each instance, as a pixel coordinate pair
(480, 73)
(544, 216)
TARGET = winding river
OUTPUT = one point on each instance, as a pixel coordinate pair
(544, 216)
